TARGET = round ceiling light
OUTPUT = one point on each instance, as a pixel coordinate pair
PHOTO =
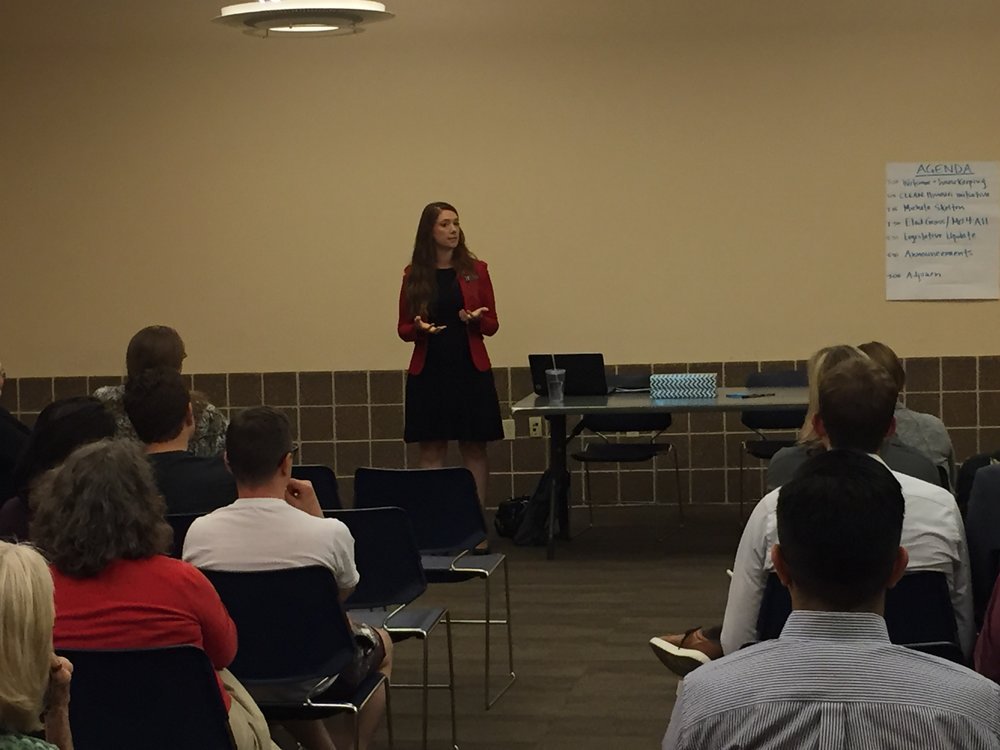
(317, 18)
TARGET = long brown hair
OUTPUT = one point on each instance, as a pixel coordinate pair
(421, 283)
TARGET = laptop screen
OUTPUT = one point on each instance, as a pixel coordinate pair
(584, 373)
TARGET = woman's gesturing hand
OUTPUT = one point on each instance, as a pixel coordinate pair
(472, 317)
(428, 328)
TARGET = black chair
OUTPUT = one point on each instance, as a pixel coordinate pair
(294, 642)
(324, 481)
(918, 613)
(604, 450)
(156, 699)
(764, 448)
(392, 577)
(180, 523)
(448, 523)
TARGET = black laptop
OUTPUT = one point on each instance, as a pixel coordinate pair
(584, 373)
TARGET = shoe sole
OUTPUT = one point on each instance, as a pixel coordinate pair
(680, 661)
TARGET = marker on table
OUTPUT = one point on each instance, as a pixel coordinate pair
(748, 395)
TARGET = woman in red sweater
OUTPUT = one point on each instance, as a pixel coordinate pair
(99, 518)
(446, 307)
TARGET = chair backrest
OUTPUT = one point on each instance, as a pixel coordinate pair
(609, 423)
(775, 419)
(442, 504)
(290, 622)
(180, 523)
(917, 609)
(156, 699)
(324, 481)
(386, 556)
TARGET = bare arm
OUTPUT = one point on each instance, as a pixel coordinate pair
(300, 494)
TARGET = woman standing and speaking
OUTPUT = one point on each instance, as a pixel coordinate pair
(446, 307)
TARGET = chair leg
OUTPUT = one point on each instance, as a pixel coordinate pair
(655, 465)
(451, 680)
(426, 689)
(742, 491)
(677, 482)
(486, 628)
(388, 715)
(590, 494)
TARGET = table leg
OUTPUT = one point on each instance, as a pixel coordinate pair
(559, 504)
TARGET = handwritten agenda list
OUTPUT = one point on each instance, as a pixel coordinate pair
(942, 230)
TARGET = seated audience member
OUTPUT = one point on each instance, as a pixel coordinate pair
(61, 427)
(13, 436)
(982, 525)
(987, 654)
(856, 402)
(99, 519)
(897, 455)
(33, 680)
(833, 679)
(159, 406)
(967, 476)
(277, 523)
(161, 346)
(925, 432)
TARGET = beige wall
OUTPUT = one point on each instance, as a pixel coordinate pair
(660, 180)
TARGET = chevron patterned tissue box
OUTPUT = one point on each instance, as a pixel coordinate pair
(683, 385)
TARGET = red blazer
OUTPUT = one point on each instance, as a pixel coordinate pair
(477, 291)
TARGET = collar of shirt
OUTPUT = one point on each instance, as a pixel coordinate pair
(840, 626)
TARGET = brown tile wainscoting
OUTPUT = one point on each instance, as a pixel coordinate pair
(348, 419)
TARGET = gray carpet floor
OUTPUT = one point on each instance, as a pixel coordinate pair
(586, 677)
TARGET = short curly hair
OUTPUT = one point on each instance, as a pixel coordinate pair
(101, 505)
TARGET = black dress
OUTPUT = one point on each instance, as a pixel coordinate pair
(450, 399)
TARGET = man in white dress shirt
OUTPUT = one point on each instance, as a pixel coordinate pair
(857, 400)
(833, 679)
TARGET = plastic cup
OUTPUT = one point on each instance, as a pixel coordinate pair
(556, 380)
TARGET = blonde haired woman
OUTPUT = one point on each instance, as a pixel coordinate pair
(32, 678)
(897, 455)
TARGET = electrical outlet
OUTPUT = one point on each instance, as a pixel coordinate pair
(508, 429)
(535, 426)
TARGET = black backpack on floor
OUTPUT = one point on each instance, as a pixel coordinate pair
(534, 527)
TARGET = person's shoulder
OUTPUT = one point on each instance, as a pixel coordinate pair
(480, 266)
(797, 452)
(915, 488)
(988, 474)
(23, 742)
(958, 682)
(110, 393)
(923, 419)
(733, 671)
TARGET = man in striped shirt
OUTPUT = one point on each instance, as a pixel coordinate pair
(833, 679)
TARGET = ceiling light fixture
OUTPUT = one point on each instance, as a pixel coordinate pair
(317, 18)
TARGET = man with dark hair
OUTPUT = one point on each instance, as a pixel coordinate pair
(158, 404)
(833, 678)
(856, 403)
(277, 523)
